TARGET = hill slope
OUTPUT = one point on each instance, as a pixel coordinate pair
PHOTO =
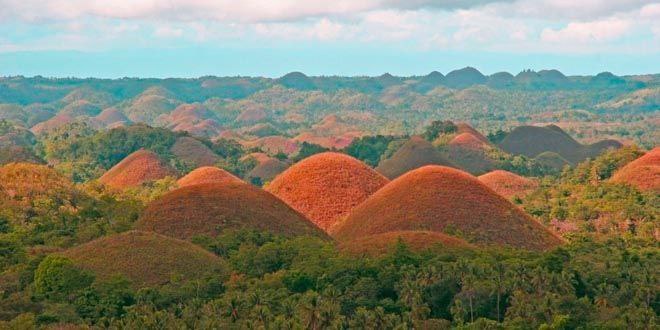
(207, 209)
(137, 168)
(415, 153)
(146, 259)
(643, 173)
(442, 199)
(326, 186)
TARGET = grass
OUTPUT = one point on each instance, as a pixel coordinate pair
(137, 168)
(443, 199)
(643, 173)
(414, 154)
(327, 186)
(509, 184)
(146, 259)
(207, 174)
(207, 209)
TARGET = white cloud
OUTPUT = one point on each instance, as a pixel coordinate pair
(587, 32)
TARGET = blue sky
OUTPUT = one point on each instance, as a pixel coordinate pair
(177, 38)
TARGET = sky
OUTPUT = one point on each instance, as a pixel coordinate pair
(192, 38)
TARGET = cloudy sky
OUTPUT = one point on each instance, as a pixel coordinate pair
(189, 38)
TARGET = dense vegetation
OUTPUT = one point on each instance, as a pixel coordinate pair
(604, 277)
(599, 279)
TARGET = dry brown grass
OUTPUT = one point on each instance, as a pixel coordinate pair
(192, 151)
(327, 186)
(466, 128)
(207, 174)
(443, 199)
(643, 173)
(267, 170)
(207, 209)
(380, 244)
(532, 141)
(139, 167)
(415, 153)
(509, 184)
(146, 259)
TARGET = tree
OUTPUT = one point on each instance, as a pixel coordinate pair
(56, 277)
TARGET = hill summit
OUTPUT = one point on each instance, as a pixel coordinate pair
(443, 199)
(327, 186)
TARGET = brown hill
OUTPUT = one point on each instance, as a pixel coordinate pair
(552, 160)
(194, 152)
(379, 244)
(137, 168)
(51, 124)
(110, 117)
(267, 170)
(534, 140)
(443, 199)
(207, 174)
(327, 186)
(81, 108)
(259, 157)
(146, 259)
(207, 209)
(415, 153)
(643, 173)
(466, 128)
(468, 141)
(18, 154)
(274, 144)
(25, 182)
(509, 184)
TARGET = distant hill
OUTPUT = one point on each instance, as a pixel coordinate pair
(465, 77)
(532, 141)
(415, 153)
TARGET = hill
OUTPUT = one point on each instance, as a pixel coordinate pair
(137, 168)
(643, 173)
(442, 199)
(509, 184)
(465, 77)
(207, 209)
(194, 152)
(207, 174)
(146, 259)
(266, 170)
(534, 140)
(466, 128)
(296, 80)
(380, 244)
(111, 117)
(415, 153)
(18, 154)
(326, 187)
(552, 160)
(468, 141)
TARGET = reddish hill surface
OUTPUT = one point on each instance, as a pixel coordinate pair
(327, 186)
(207, 209)
(207, 174)
(415, 153)
(466, 128)
(274, 144)
(443, 199)
(643, 173)
(267, 170)
(53, 123)
(194, 152)
(139, 167)
(468, 141)
(509, 184)
(415, 240)
(110, 117)
(260, 157)
(146, 259)
(24, 182)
